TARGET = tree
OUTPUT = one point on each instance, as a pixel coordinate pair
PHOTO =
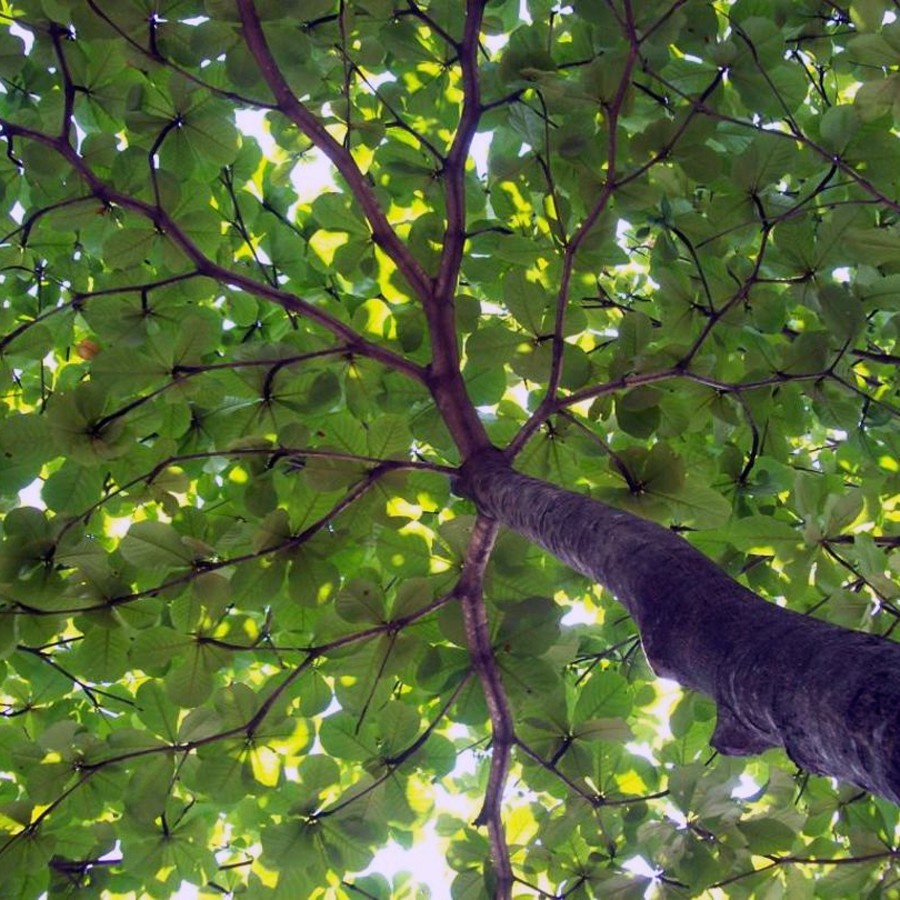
(251, 621)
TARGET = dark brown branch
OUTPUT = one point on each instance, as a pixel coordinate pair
(548, 402)
(478, 638)
(88, 769)
(288, 104)
(810, 861)
(205, 266)
(274, 453)
(445, 380)
(802, 138)
(393, 763)
(181, 373)
(888, 359)
(211, 565)
(455, 166)
(443, 377)
(398, 121)
(594, 799)
(152, 53)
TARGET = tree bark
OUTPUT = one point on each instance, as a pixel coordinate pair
(828, 695)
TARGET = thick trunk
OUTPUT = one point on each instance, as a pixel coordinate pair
(829, 696)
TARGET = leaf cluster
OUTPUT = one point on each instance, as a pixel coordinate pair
(651, 249)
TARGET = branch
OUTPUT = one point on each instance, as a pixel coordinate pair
(478, 638)
(154, 55)
(287, 103)
(201, 566)
(548, 402)
(398, 121)
(802, 138)
(443, 376)
(394, 762)
(455, 166)
(181, 373)
(516, 445)
(810, 861)
(274, 453)
(594, 798)
(445, 380)
(88, 768)
(205, 266)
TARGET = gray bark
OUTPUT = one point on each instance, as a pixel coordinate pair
(828, 695)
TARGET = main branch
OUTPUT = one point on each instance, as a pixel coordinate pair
(829, 696)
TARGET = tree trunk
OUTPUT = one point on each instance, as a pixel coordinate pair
(828, 695)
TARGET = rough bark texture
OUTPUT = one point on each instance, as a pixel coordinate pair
(828, 695)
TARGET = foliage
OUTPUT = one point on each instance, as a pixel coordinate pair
(243, 634)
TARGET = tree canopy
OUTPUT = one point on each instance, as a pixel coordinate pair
(249, 632)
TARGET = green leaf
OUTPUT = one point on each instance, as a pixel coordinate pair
(767, 835)
(698, 505)
(130, 247)
(190, 682)
(125, 369)
(526, 300)
(493, 345)
(341, 738)
(762, 534)
(360, 602)
(841, 312)
(335, 211)
(154, 648)
(22, 438)
(155, 545)
(72, 488)
(104, 654)
(605, 694)
(838, 126)
(156, 711)
(615, 731)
